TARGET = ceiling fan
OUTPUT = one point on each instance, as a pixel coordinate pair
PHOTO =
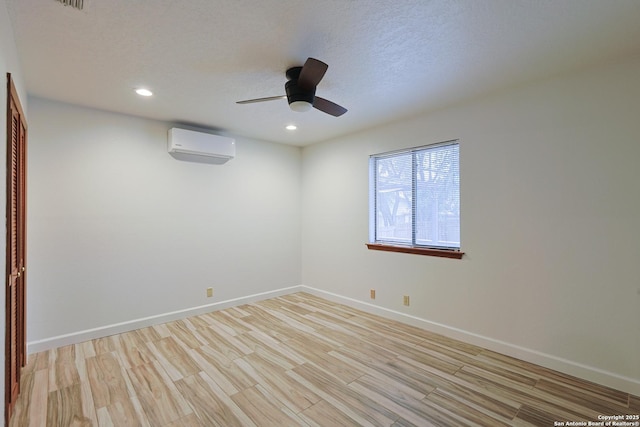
(300, 89)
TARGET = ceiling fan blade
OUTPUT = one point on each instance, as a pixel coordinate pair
(311, 74)
(328, 107)
(270, 98)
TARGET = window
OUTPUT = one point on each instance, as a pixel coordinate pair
(415, 200)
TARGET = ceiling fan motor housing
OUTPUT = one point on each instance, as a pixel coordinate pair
(296, 94)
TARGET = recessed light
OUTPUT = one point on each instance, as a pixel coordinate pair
(292, 127)
(144, 92)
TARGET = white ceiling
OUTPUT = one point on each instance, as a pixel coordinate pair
(387, 59)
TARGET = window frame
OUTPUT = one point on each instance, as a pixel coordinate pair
(413, 248)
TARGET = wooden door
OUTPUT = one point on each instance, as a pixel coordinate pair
(15, 344)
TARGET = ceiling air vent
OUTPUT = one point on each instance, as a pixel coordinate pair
(77, 4)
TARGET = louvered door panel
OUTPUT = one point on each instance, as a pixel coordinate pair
(21, 229)
(15, 345)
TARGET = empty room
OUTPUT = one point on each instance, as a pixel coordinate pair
(327, 213)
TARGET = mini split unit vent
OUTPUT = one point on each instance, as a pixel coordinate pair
(200, 147)
(78, 4)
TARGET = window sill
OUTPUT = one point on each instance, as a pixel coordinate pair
(413, 250)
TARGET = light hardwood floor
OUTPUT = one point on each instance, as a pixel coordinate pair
(298, 360)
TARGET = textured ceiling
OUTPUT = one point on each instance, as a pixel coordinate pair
(387, 59)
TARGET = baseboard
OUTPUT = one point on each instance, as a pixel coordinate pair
(589, 373)
(118, 328)
(585, 372)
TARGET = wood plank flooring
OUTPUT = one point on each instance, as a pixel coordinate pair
(298, 360)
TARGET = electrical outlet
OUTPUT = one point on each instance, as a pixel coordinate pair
(406, 300)
(209, 292)
(373, 294)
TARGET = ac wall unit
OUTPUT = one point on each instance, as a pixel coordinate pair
(200, 147)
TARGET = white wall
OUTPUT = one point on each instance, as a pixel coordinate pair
(119, 230)
(550, 200)
(8, 64)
